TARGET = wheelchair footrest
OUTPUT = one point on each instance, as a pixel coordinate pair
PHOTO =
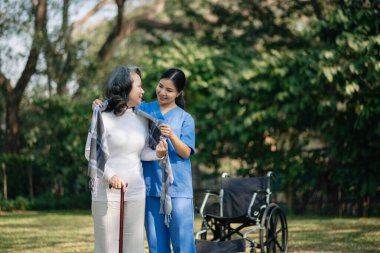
(238, 245)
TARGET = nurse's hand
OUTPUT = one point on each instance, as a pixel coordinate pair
(161, 149)
(97, 102)
(166, 131)
(118, 183)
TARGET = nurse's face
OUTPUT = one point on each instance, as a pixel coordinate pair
(166, 92)
(137, 92)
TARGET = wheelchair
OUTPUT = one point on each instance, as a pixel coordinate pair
(242, 208)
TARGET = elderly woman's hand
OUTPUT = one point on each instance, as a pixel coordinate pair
(161, 149)
(118, 183)
(97, 102)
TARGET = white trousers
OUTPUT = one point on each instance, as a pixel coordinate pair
(106, 217)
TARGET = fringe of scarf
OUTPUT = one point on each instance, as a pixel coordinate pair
(167, 180)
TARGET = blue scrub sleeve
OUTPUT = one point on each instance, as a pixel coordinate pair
(142, 106)
(188, 133)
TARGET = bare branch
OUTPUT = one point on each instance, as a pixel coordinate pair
(66, 66)
(90, 13)
(130, 24)
(30, 67)
(155, 24)
(146, 17)
(153, 10)
(116, 30)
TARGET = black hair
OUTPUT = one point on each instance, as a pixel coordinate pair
(118, 87)
(179, 80)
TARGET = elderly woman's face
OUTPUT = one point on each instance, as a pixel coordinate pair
(137, 92)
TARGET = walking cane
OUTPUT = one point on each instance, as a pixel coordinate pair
(121, 219)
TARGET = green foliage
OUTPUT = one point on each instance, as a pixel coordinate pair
(342, 100)
(303, 112)
(48, 202)
(54, 134)
(265, 93)
(20, 203)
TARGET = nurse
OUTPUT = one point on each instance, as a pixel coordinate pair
(180, 130)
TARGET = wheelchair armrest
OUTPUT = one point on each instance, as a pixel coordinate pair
(208, 193)
(198, 234)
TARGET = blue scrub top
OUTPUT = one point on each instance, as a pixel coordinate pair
(182, 124)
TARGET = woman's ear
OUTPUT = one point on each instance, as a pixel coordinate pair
(179, 94)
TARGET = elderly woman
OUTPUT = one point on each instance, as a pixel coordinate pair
(124, 136)
(173, 229)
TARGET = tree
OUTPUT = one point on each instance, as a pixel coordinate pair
(14, 94)
(60, 54)
(301, 108)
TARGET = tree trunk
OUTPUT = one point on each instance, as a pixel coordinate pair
(30, 179)
(11, 136)
(103, 52)
(196, 175)
(317, 9)
(340, 204)
(14, 95)
(366, 204)
(216, 178)
(5, 192)
(289, 199)
(123, 26)
(12, 124)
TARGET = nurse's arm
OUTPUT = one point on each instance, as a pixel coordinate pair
(182, 149)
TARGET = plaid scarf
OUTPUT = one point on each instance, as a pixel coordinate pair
(97, 147)
(98, 155)
(167, 173)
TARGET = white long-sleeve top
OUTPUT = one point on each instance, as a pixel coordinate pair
(127, 137)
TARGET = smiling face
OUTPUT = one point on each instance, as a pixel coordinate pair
(137, 92)
(166, 92)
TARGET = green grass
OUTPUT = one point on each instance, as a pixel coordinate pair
(320, 234)
(44, 232)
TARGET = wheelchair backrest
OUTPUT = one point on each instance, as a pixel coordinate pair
(238, 192)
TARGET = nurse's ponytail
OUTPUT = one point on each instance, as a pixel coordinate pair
(180, 101)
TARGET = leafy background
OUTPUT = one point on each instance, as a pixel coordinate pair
(284, 86)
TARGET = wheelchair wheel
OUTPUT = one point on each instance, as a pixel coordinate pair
(274, 230)
(215, 228)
